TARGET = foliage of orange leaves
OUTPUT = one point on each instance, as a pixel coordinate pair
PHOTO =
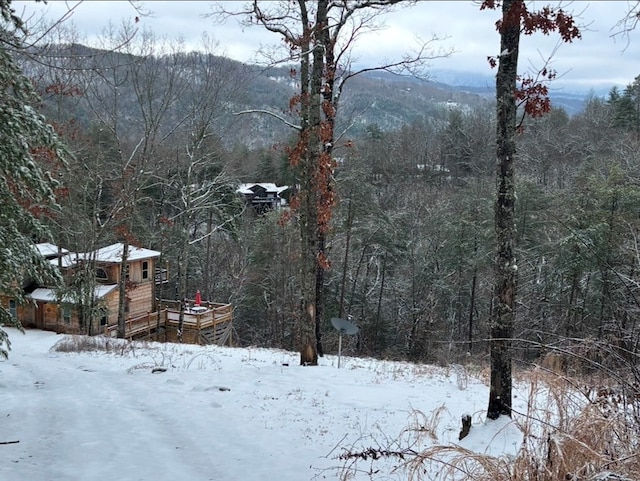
(123, 232)
(294, 101)
(534, 96)
(62, 192)
(533, 93)
(323, 188)
(59, 88)
(546, 20)
(165, 221)
(323, 261)
(68, 129)
(328, 109)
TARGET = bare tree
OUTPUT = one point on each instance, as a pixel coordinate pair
(629, 22)
(320, 37)
(141, 79)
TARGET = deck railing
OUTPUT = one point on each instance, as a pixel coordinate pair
(147, 323)
(208, 315)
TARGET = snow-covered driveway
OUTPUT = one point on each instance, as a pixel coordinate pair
(217, 413)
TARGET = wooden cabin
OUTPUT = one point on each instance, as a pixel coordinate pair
(96, 312)
(264, 196)
(63, 310)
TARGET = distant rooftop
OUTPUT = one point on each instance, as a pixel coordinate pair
(268, 186)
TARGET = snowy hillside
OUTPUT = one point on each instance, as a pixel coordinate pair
(218, 413)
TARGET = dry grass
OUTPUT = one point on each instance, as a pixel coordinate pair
(587, 434)
(572, 432)
(81, 343)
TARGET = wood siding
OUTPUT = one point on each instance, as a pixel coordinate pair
(140, 299)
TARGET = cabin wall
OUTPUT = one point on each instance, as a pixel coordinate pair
(111, 304)
(140, 299)
(189, 336)
(141, 271)
(107, 273)
(23, 313)
(53, 318)
(140, 289)
(27, 315)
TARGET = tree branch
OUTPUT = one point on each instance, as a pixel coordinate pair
(272, 114)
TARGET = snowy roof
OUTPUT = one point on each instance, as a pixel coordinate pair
(47, 250)
(44, 294)
(102, 290)
(113, 253)
(67, 260)
(268, 186)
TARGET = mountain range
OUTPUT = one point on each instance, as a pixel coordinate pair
(377, 98)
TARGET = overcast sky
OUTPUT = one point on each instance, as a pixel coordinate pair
(598, 60)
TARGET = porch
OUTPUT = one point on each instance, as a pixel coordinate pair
(209, 323)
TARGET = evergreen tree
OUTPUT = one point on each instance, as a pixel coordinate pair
(29, 152)
(626, 106)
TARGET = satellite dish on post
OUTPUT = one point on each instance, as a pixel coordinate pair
(343, 326)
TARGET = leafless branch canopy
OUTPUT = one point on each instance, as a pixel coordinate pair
(348, 20)
(628, 23)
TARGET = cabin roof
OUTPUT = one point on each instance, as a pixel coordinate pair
(108, 254)
(44, 294)
(47, 249)
(113, 253)
(249, 189)
(67, 260)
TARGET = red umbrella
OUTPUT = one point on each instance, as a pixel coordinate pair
(198, 298)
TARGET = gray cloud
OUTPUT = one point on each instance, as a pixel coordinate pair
(598, 59)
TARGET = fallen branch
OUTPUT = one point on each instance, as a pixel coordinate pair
(9, 442)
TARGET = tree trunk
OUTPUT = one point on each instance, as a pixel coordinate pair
(505, 267)
(320, 272)
(345, 262)
(378, 322)
(308, 150)
(472, 307)
(122, 286)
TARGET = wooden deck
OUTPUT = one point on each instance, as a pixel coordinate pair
(212, 323)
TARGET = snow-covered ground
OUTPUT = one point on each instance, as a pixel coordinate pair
(219, 413)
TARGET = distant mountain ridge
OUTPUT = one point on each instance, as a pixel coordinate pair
(570, 96)
(375, 97)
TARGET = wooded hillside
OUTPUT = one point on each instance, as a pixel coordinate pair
(158, 150)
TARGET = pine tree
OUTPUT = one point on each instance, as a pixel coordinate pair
(626, 107)
(29, 152)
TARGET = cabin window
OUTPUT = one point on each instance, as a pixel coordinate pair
(101, 274)
(13, 308)
(66, 314)
(126, 272)
(145, 270)
(103, 318)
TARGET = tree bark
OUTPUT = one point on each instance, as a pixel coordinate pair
(122, 286)
(505, 267)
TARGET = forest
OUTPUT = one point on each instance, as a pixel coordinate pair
(497, 237)
(159, 139)
(411, 242)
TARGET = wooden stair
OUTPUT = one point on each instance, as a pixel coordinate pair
(219, 334)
